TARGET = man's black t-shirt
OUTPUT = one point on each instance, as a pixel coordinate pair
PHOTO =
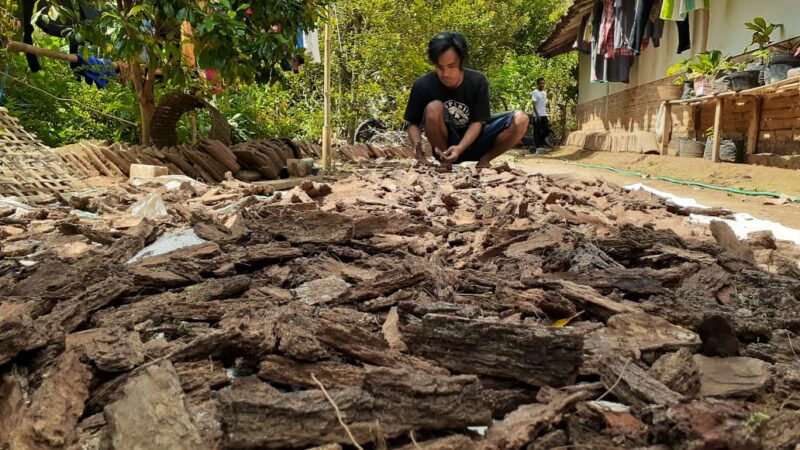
(466, 104)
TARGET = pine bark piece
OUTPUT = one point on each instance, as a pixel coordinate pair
(534, 355)
(12, 403)
(734, 376)
(17, 330)
(282, 370)
(51, 420)
(313, 227)
(69, 314)
(635, 386)
(111, 349)
(298, 419)
(408, 400)
(391, 331)
(522, 426)
(151, 413)
(454, 442)
(584, 297)
(728, 240)
(201, 375)
(398, 400)
(678, 371)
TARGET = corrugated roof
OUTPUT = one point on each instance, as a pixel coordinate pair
(566, 31)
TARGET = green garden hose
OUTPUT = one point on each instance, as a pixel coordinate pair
(683, 182)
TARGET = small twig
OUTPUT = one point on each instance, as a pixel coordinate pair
(594, 446)
(789, 335)
(414, 440)
(338, 413)
(615, 383)
(786, 402)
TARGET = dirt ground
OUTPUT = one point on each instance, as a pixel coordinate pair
(747, 177)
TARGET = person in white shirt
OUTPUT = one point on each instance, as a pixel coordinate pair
(541, 123)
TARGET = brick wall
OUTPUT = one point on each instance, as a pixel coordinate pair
(635, 110)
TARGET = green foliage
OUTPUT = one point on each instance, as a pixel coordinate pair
(57, 122)
(757, 419)
(707, 65)
(379, 49)
(233, 36)
(762, 32)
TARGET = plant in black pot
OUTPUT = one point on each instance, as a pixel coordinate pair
(773, 62)
(729, 149)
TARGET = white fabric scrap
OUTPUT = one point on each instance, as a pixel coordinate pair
(742, 224)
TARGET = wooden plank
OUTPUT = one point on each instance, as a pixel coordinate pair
(666, 130)
(753, 130)
(717, 131)
(288, 183)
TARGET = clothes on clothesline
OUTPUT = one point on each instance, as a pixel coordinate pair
(617, 31)
(677, 10)
(309, 41)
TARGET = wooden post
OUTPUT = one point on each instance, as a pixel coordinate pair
(666, 130)
(326, 129)
(755, 126)
(717, 131)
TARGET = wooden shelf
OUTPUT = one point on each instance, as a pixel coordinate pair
(791, 85)
(774, 88)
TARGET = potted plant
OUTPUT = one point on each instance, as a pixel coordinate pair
(677, 89)
(773, 62)
(729, 150)
(705, 68)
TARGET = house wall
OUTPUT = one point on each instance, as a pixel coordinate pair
(630, 108)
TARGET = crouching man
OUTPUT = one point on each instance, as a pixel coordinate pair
(451, 104)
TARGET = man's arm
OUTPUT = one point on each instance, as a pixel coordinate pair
(469, 138)
(535, 111)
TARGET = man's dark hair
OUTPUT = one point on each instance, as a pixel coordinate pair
(443, 42)
(539, 80)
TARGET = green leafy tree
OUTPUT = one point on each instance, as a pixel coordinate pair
(239, 40)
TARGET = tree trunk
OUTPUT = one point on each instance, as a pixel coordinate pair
(143, 84)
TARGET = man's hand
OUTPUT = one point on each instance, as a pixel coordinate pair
(452, 154)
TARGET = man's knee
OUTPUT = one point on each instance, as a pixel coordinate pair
(520, 120)
(434, 111)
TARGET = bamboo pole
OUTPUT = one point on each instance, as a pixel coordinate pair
(326, 129)
(19, 47)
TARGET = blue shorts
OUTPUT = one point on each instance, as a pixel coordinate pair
(486, 139)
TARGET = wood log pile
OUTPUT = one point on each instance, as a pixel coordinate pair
(403, 308)
(209, 160)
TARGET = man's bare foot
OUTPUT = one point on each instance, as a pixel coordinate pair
(483, 165)
(422, 159)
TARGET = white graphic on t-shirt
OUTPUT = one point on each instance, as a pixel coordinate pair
(457, 113)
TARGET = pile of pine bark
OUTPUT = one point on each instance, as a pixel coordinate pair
(402, 307)
(209, 160)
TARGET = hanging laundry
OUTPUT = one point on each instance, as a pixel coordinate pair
(312, 45)
(95, 71)
(624, 20)
(609, 64)
(684, 35)
(677, 10)
(583, 42)
(309, 41)
(644, 27)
